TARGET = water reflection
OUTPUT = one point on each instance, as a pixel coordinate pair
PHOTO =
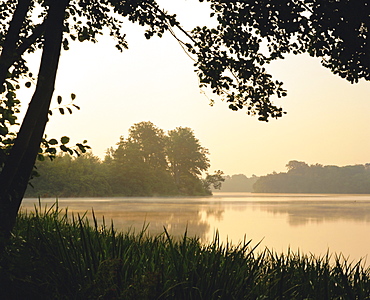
(177, 215)
(300, 214)
(216, 213)
(305, 208)
(310, 223)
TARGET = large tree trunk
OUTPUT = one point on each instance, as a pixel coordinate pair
(18, 166)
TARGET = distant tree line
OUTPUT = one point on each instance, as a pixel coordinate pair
(304, 178)
(238, 183)
(148, 162)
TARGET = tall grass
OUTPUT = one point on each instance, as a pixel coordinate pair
(56, 255)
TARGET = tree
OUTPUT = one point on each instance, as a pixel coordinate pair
(18, 166)
(297, 166)
(62, 21)
(213, 180)
(228, 58)
(238, 183)
(334, 30)
(66, 176)
(316, 179)
(151, 163)
(150, 141)
(139, 165)
(187, 159)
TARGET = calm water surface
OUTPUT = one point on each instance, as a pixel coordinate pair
(310, 223)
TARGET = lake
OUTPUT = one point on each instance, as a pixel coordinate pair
(309, 223)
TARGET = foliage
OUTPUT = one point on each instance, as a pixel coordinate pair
(138, 167)
(302, 178)
(147, 163)
(9, 108)
(249, 34)
(238, 183)
(214, 181)
(66, 176)
(54, 256)
(187, 159)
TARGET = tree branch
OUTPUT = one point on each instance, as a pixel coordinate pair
(9, 46)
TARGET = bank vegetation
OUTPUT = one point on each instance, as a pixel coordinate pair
(53, 255)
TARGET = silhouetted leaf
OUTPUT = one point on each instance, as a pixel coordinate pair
(81, 147)
(3, 130)
(63, 148)
(51, 150)
(64, 140)
(53, 142)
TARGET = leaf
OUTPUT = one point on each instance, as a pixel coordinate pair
(53, 142)
(76, 106)
(69, 110)
(81, 147)
(59, 99)
(28, 84)
(51, 150)
(61, 110)
(63, 148)
(233, 107)
(73, 96)
(65, 44)
(64, 140)
(3, 130)
(9, 86)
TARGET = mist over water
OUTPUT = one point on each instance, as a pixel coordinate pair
(309, 223)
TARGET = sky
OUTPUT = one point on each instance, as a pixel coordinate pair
(327, 118)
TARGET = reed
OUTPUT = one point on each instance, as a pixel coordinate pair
(57, 255)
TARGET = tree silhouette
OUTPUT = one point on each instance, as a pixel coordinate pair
(187, 159)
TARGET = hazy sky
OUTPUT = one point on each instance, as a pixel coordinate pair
(327, 121)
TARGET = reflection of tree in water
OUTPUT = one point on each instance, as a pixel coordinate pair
(136, 213)
(301, 213)
(217, 213)
(176, 223)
